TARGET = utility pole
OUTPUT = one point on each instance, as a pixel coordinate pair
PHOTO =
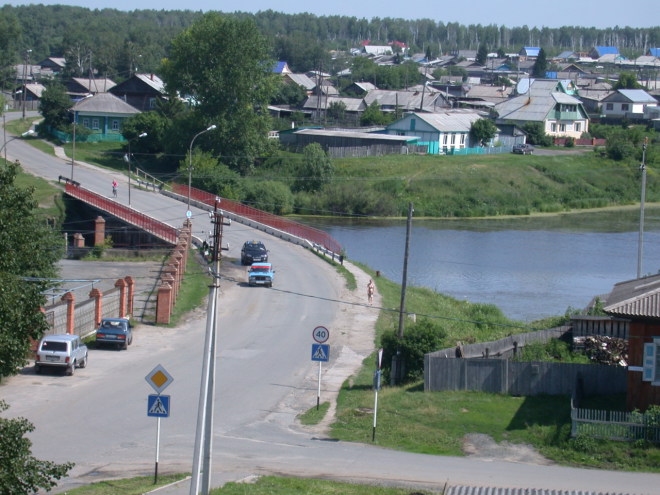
(204, 432)
(24, 95)
(640, 246)
(404, 281)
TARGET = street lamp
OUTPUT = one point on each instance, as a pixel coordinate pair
(144, 134)
(25, 134)
(209, 128)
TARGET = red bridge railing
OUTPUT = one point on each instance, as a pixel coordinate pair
(292, 227)
(144, 222)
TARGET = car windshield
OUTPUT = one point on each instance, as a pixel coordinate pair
(53, 346)
(259, 269)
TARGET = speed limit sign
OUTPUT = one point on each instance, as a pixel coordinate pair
(320, 334)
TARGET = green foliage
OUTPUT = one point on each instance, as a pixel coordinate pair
(222, 63)
(210, 175)
(418, 339)
(289, 94)
(337, 110)
(28, 248)
(536, 134)
(373, 116)
(20, 472)
(482, 54)
(541, 65)
(315, 171)
(271, 196)
(554, 350)
(54, 106)
(627, 80)
(483, 130)
(154, 124)
(570, 142)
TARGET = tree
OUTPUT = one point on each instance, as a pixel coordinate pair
(627, 80)
(483, 130)
(222, 65)
(337, 110)
(20, 473)
(536, 134)
(373, 116)
(482, 54)
(9, 42)
(541, 65)
(55, 105)
(28, 248)
(316, 169)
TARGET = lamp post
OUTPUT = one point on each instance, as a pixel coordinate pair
(27, 61)
(144, 134)
(73, 149)
(4, 146)
(209, 128)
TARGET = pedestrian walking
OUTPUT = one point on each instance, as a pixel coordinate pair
(371, 288)
(114, 188)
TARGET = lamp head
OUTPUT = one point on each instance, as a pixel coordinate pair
(211, 127)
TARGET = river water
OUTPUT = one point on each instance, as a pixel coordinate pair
(530, 267)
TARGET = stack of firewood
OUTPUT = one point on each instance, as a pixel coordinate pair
(606, 350)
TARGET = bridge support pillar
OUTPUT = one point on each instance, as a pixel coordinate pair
(99, 231)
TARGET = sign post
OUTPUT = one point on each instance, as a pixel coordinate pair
(158, 405)
(320, 353)
(377, 375)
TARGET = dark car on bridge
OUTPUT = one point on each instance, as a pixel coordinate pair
(253, 252)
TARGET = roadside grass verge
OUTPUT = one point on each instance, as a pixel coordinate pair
(277, 485)
(194, 288)
(47, 195)
(126, 486)
(436, 423)
(314, 416)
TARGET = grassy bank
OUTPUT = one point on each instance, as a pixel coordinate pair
(437, 423)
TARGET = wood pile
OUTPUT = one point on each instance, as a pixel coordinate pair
(603, 349)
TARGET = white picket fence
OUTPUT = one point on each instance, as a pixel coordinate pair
(614, 425)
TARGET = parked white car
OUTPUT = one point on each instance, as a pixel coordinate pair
(66, 352)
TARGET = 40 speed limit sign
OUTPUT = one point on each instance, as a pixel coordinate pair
(320, 335)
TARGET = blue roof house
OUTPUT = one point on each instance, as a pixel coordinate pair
(599, 51)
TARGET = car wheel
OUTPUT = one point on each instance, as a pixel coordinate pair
(71, 369)
(83, 363)
(37, 369)
(125, 345)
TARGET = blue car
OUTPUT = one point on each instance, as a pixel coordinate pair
(115, 331)
(261, 274)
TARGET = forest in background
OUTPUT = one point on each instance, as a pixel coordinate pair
(117, 43)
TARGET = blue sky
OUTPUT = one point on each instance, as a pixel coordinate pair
(510, 13)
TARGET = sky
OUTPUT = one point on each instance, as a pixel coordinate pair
(509, 13)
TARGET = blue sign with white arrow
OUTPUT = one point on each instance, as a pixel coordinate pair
(158, 406)
(320, 352)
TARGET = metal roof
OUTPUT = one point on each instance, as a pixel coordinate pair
(635, 298)
(638, 96)
(356, 135)
(450, 121)
(104, 103)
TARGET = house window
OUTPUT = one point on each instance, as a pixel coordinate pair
(609, 106)
(553, 127)
(444, 139)
(462, 139)
(578, 127)
(651, 362)
(115, 125)
(453, 139)
(85, 123)
(625, 107)
(562, 127)
(413, 123)
(95, 123)
(152, 103)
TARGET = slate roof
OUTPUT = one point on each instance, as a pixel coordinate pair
(352, 104)
(152, 80)
(534, 105)
(102, 103)
(302, 80)
(94, 85)
(355, 134)
(36, 89)
(405, 100)
(449, 121)
(637, 96)
(635, 298)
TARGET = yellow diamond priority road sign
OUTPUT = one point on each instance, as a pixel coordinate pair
(159, 379)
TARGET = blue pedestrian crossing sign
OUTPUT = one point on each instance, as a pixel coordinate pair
(320, 352)
(158, 406)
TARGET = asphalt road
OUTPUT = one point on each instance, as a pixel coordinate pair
(98, 417)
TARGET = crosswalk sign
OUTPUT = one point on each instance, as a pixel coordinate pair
(158, 406)
(320, 352)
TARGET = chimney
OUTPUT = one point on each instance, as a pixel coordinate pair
(152, 76)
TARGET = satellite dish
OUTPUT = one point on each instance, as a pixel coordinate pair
(523, 86)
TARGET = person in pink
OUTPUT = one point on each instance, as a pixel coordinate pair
(114, 188)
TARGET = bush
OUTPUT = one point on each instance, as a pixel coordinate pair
(570, 142)
(420, 338)
(271, 196)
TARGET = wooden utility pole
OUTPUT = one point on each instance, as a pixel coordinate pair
(640, 247)
(404, 281)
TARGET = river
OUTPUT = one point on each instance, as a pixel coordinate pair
(530, 267)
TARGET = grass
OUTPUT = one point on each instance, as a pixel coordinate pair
(194, 288)
(436, 423)
(126, 486)
(277, 485)
(314, 416)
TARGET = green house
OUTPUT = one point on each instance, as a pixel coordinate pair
(102, 115)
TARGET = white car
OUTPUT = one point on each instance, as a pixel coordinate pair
(65, 352)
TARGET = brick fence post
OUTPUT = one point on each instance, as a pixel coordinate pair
(99, 231)
(121, 285)
(70, 300)
(164, 303)
(131, 294)
(78, 240)
(97, 295)
(170, 275)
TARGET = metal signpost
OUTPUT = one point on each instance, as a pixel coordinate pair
(158, 406)
(320, 353)
(377, 375)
